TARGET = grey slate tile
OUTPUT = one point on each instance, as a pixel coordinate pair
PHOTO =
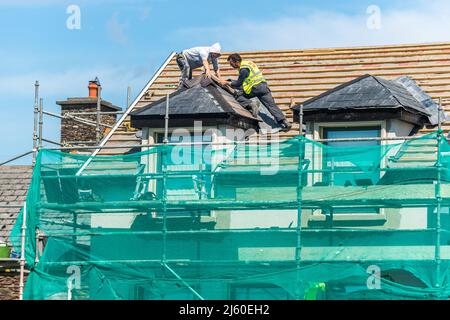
(14, 183)
(366, 92)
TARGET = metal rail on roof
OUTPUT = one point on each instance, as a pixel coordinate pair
(256, 142)
(250, 142)
(16, 157)
(77, 119)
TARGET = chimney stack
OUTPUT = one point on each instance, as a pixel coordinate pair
(78, 133)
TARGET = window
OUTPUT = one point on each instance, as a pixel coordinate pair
(331, 161)
(348, 162)
(187, 158)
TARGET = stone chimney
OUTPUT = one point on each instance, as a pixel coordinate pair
(85, 108)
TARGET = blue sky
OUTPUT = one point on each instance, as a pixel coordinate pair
(124, 42)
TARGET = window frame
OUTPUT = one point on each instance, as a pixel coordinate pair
(158, 137)
(330, 176)
(318, 216)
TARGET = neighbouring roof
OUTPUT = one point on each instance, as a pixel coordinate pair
(87, 101)
(296, 76)
(202, 100)
(14, 184)
(366, 92)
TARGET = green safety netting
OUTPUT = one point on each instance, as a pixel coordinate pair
(283, 220)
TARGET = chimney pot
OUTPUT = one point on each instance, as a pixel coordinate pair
(93, 88)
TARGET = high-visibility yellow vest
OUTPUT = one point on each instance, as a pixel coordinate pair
(254, 78)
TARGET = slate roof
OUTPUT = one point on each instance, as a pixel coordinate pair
(14, 183)
(366, 92)
(201, 99)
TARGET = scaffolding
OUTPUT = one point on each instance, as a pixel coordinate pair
(79, 228)
(291, 271)
(39, 139)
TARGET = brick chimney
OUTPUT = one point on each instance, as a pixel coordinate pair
(77, 133)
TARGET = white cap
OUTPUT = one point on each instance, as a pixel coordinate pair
(216, 48)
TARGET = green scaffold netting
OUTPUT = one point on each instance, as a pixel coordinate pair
(286, 220)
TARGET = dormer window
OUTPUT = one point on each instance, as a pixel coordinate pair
(347, 178)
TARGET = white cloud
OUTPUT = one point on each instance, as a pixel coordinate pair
(427, 21)
(116, 30)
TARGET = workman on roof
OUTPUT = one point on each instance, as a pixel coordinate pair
(197, 57)
(251, 83)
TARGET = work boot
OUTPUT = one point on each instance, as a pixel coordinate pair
(285, 126)
(182, 84)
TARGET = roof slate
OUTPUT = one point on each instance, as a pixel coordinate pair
(363, 93)
(200, 98)
(14, 184)
(181, 103)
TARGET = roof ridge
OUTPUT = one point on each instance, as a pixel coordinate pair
(210, 89)
(387, 88)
